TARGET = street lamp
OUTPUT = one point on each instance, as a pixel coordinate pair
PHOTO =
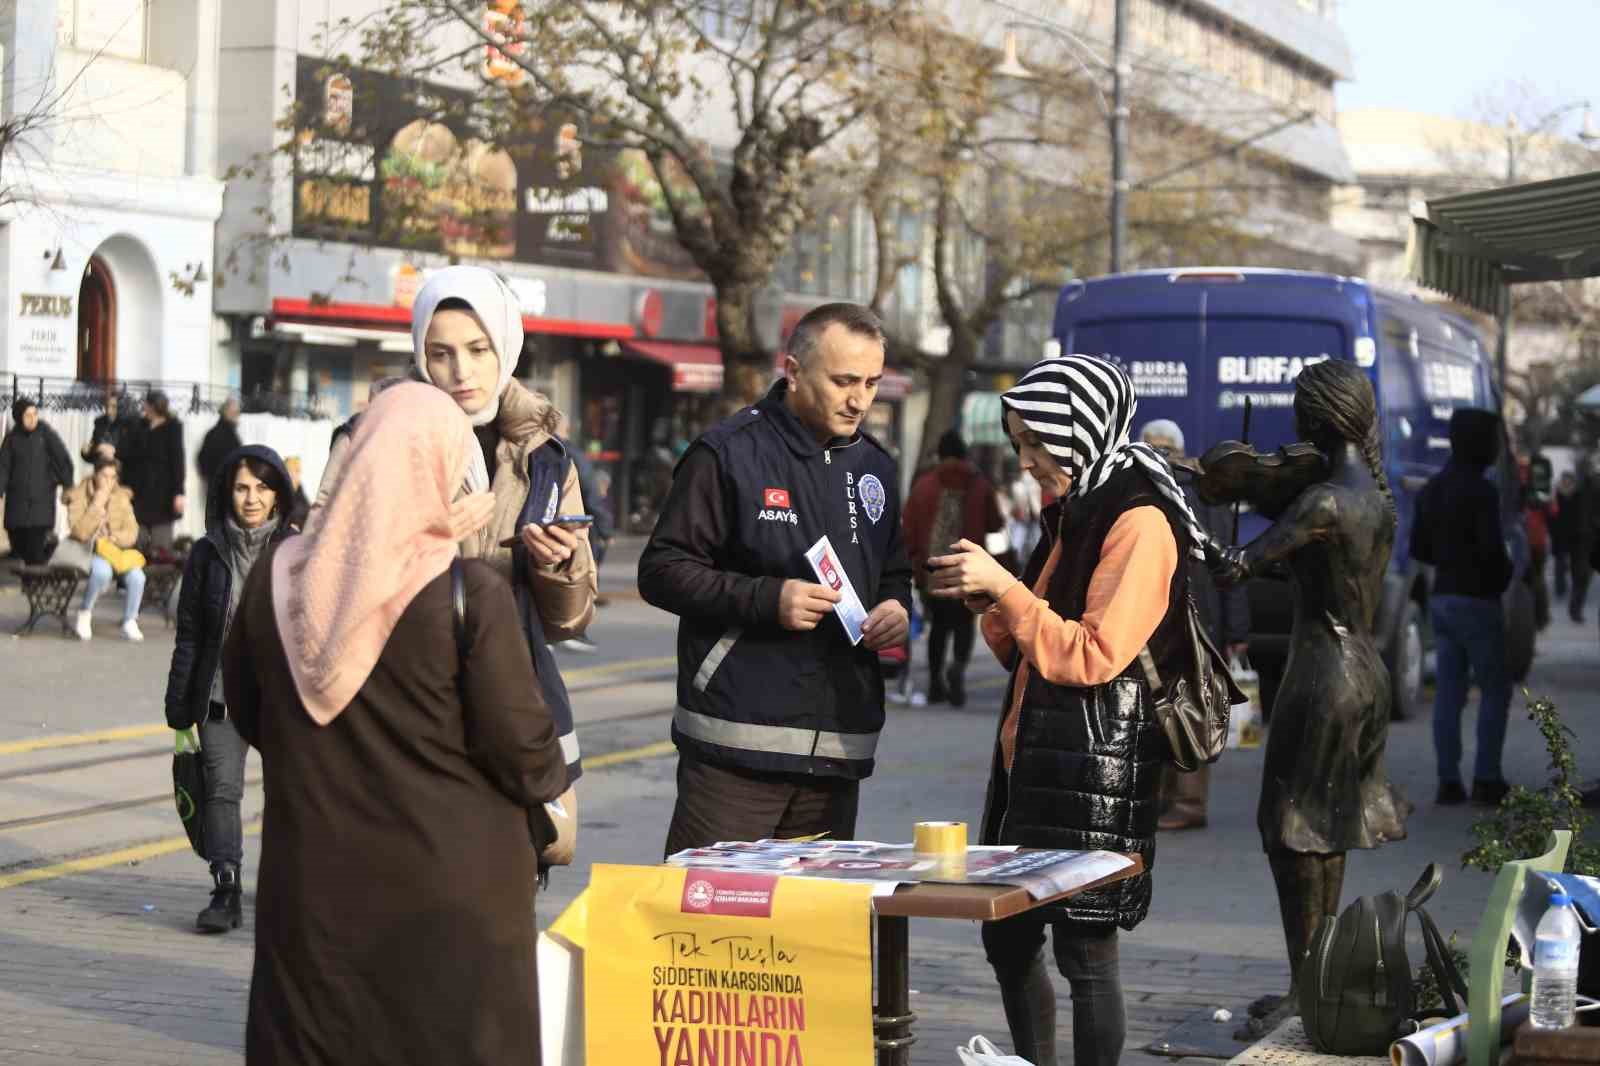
(1116, 114)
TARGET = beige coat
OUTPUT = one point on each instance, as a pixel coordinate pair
(86, 522)
(564, 594)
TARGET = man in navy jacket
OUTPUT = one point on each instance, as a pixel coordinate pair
(778, 712)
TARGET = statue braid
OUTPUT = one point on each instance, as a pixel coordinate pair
(1373, 453)
(1340, 397)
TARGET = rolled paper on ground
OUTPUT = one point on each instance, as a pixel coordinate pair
(1446, 1043)
(940, 838)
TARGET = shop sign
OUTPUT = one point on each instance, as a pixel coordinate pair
(703, 966)
(406, 280)
(45, 335)
(393, 162)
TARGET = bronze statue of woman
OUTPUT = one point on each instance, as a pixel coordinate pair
(1325, 789)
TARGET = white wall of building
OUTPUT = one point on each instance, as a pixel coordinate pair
(127, 174)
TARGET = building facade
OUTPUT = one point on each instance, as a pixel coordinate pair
(328, 242)
(1401, 158)
(111, 200)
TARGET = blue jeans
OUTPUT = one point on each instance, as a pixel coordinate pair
(1470, 639)
(100, 578)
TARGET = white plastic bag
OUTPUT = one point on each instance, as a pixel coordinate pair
(1245, 722)
(980, 1051)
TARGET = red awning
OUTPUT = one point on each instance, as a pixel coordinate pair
(695, 367)
(399, 319)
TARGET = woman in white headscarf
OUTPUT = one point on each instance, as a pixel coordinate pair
(466, 333)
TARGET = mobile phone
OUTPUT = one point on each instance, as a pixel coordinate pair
(570, 521)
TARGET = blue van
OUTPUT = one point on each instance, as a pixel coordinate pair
(1198, 342)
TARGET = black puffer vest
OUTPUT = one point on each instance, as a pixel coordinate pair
(1087, 766)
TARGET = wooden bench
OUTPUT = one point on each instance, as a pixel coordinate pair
(160, 581)
(49, 590)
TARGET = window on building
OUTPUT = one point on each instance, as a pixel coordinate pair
(110, 27)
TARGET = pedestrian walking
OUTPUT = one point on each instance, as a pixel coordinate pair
(1457, 531)
(466, 333)
(1564, 529)
(1225, 613)
(395, 902)
(779, 713)
(154, 470)
(34, 467)
(1107, 580)
(1584, 535)
(221, 441)
(243, 516)
(100, 508)
(949, 502)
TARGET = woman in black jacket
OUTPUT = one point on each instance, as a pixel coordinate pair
(1079, 752)
(34, 464)
(154, 470)
(243, 516)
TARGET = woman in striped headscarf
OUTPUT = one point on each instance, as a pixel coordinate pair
(1079, 751)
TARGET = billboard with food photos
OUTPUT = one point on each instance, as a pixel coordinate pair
(400, 163)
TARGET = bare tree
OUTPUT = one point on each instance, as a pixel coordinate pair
(1010, 177)
(789, 78)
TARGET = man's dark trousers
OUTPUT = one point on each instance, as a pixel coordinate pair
(723, 803)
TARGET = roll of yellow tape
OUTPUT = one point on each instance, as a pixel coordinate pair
(941, 838)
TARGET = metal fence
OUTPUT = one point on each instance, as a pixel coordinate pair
(186, 397)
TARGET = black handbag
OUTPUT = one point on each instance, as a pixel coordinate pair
(1194, 708)
(189, 789)
(1356, 996)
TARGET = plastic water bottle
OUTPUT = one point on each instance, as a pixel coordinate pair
(1555, 964)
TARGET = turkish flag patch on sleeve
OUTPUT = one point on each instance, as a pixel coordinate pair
(776, 498)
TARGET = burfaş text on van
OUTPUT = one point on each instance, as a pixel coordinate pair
(1199, 342)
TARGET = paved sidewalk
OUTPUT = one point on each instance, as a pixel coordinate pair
(101, 966)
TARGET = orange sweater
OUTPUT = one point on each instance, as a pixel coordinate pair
(1127, 600)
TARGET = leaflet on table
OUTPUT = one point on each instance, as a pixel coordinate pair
(830, 572)
(1041, 873)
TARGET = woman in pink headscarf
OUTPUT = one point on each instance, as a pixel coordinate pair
(394, 906)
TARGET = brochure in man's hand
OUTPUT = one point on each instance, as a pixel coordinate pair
(830, 572)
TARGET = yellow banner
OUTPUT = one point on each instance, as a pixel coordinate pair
(690, 967)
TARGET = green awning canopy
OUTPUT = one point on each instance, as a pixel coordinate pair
(1471, 246)
(981, 421)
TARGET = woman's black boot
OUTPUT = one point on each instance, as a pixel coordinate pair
(225, 910)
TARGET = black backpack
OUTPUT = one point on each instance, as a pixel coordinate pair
(1355, 983)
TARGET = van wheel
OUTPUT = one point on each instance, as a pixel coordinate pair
(1405, 664)
(1520, 630)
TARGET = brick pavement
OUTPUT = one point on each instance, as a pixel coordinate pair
(88, 973)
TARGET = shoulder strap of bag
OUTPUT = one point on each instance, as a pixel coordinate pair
(1443, 966)
(458, 605)
(1158, 691)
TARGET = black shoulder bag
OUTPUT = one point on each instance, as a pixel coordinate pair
(1194, 709)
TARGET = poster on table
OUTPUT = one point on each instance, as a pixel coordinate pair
(691, 967)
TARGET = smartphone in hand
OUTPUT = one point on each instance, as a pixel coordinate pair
(565, 521)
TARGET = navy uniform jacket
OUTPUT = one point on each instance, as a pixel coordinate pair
(747, 501)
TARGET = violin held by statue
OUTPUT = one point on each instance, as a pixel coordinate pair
(1232, 472)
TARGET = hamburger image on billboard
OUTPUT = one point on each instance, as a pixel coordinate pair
(414, 172)
(642, 239)
(478, 205)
